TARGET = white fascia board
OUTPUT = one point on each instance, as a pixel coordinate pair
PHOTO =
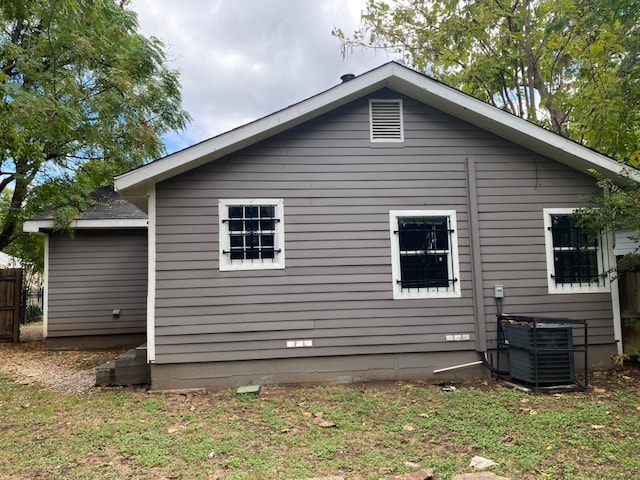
(35, 226)
(254, 132)
(45, 290)
(151, 280)
(508, 126)
(396, 77)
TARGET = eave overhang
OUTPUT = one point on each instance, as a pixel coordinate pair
(136, 184)
(40, 226)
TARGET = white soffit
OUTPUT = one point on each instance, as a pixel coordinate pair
(396, 77)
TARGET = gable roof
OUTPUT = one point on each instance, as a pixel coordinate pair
(109, 210)
(133, 185)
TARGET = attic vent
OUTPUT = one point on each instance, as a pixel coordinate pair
(385, 117)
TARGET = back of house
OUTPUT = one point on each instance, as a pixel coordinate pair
(361, 234)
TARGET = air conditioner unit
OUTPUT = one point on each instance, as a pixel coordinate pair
(541, 354)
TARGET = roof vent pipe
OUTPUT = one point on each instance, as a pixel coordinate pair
(346, 77)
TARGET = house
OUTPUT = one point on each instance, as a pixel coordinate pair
(9, 261)
(95, 290)
(360, 235)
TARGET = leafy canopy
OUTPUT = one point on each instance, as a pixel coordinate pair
(572, 66)
(83, 97)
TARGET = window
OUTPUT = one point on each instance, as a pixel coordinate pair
(576, 262)
(424, 254)
(385, 119)
(251, 234)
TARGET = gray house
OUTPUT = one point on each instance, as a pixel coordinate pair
(360, 234)
(96, 280)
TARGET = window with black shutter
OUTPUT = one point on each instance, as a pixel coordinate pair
(577, 261)
(251, 234)
(424, 248)
(575, 253)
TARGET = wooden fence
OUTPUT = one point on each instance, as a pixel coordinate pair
(630, 308)
(10, 304)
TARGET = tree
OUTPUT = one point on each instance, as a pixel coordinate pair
(83, 97)
(614, 209)
(571, 66)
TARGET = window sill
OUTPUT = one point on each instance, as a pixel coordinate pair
(561, 290)
(425, 295)
(239, 267)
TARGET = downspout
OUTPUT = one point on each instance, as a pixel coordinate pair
(615, 295)
(476, 258)
(45, 288)
(477, 282)
(151, 275)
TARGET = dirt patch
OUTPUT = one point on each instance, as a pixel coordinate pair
(73, 372)
(66, 372)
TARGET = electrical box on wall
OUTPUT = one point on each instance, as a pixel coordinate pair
(498, 291)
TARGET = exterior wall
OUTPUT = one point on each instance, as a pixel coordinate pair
(90, 275)
(626, 242)
(354, 368)
(511, 197)
(336, 289)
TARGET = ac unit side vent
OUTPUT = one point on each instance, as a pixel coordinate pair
(541, 356)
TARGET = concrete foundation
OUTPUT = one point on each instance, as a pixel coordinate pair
(356, 368)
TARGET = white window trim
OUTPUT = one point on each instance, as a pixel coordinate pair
(386, 140)
(454, 262)
(226, 265)
(603, 258)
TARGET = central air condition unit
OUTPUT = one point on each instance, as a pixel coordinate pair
(541, 354)
(542, 351)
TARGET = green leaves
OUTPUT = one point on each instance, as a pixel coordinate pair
(569, 65)
(83, 96)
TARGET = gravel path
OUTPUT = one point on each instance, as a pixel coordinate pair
(66, 372)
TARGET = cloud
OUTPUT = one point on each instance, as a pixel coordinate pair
(241, 60)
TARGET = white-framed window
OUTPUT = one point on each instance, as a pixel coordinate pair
(251, 234)
(424, 254)
(385, 120)
(576, 261)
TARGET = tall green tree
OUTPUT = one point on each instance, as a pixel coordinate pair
(570, 65)
(83, 97)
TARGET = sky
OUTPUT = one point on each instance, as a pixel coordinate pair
(240, 60)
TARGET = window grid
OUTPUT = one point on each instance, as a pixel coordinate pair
(425, 253)
(575, 253)
(252, 231)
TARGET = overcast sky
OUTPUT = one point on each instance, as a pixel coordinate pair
(240, 60)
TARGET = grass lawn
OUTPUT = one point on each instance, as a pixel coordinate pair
(363, 431)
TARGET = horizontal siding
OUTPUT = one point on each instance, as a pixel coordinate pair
(270, 350)
(308, 321)
(321, 336)
(626, 242)
(92, 274)
(336, 288)
(344, 309)
(511, 199)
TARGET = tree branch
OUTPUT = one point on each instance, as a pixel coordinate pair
(6, 181)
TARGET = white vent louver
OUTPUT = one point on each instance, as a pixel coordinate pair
(385, 118)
